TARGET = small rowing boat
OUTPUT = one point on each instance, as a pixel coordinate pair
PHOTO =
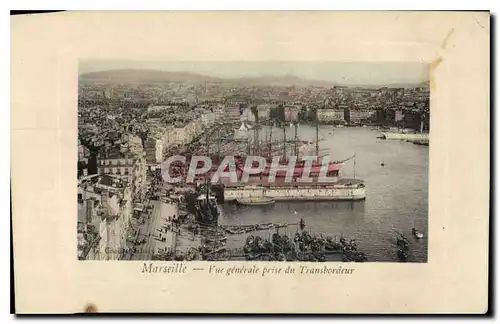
(255, 201)
(261, 227)
(280, 225)
(416, 233)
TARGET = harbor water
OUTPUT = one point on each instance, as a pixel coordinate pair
(397, 195)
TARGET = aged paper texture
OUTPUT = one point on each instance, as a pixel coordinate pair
(449, 274)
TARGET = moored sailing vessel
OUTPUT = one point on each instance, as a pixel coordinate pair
(307, 180)
(311, 181)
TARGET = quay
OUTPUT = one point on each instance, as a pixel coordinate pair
(157, 233)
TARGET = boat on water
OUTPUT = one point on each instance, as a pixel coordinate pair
(242, 229)
(215, 239)
(421, 142)
(402, 244)
(417, 234)
(402, 255)
(207, 208)
(255, 201)
(405, 136)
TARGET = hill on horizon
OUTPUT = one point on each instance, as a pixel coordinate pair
(143, 75)
(158, 76)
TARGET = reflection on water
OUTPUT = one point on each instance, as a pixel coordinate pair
(396, 196)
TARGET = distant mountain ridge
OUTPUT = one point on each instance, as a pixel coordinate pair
(144, 75)
(158, 76)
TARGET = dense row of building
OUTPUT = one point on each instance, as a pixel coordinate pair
(107, 197)
(105, 209)
(116, 148)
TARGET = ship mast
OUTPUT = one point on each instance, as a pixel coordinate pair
(270, 141)
(266, 135)
(354, 176)
(255, 141)
(218, 143)
(207, 143)
(249, 147)
(207, 189)
(284, 142)
(296, 146)
(317, 142)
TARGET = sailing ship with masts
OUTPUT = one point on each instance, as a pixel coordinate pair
(261, 186)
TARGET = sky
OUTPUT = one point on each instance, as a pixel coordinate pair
(341, 72)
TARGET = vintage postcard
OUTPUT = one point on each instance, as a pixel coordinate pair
(251, 162)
